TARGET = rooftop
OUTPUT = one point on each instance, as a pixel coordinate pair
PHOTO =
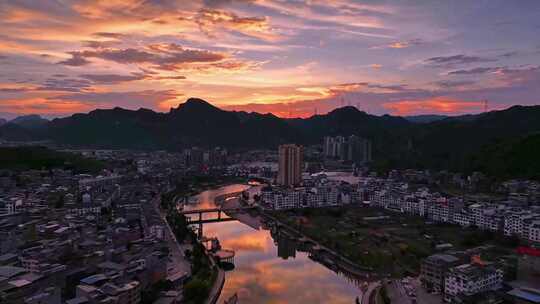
(528, 294)
(444, 257)
(10, 271)
(472, 270)
(79, 300)
(94, 279)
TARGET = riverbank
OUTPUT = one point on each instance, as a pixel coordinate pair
(389, 243)
(207, 279)
(217, 285)
(323, 254)
(267, 269)
(192, 186)
(200, 276)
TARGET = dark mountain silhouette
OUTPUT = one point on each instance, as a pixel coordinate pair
(38, 158)
(2, 121)
(425, 118)
(195, 122)
(509, 158)
(13, 132)
(447, 143)
(30, 121)
(115, 128)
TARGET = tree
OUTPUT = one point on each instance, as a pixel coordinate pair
(59, 202)
(196, 290)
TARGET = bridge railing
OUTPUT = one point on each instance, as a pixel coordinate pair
(194, 211)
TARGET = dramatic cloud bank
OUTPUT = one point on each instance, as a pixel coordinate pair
(290, 58)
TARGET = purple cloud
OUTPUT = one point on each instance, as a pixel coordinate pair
(109, 35)
(111, 78)
(76, 60)
(160, 56)
(474, 71)
(451, 84)
(449, 61)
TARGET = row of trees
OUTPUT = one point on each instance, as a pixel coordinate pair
(203, 275)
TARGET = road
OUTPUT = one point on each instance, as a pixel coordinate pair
(372, 289)
(177, 263)
(397, 293)
(423, 296)
(215, 292)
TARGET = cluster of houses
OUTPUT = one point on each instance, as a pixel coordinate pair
(70, 238)
(513, 217)
(459, 277)
(58, 257)
(464, 277)
(319, 192)
(510, 217)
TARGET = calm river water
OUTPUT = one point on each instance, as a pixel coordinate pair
(269, 271)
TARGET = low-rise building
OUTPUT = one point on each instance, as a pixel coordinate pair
(470, 279)
(434, 269)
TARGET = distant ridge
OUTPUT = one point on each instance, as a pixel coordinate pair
(441, 143)
(196, 104)
(425, 118)
(29, 121)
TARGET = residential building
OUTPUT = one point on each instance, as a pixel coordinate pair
(470, 279)
(352, 148)
(290, 165)
(434, 269)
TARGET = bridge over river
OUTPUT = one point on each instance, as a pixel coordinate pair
(217, 211)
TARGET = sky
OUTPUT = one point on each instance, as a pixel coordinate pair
(291, 58)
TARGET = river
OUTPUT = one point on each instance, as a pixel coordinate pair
(267, 273)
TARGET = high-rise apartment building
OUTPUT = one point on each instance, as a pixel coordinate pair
(290, 165)
(352, 148)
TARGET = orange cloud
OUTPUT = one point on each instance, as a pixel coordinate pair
(259, 27)
(398, 45)
(43, 106)
(431, 106)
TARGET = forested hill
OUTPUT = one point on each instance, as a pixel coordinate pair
(452, 143)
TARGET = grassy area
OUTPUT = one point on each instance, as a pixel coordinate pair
(25, 158)
(394, 245)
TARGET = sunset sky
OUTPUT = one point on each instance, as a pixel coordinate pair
(291, 58)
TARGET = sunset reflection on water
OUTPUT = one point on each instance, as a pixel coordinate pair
(261, 276)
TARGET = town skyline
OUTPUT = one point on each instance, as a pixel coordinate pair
(288, 58)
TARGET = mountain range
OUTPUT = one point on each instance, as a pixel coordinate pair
(29, 121)
(425, 118)
(421, 142)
